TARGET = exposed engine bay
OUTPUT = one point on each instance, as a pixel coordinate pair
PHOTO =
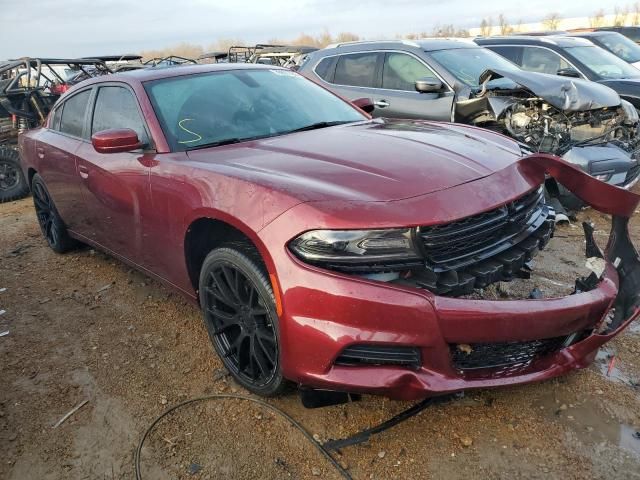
(551, 118)
(544, 128)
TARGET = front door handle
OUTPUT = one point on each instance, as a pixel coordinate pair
(83, 171)
(381, 103)
(40, 152)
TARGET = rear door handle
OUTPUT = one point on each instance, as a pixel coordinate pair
(83, 171)
(40, 152)
(381, 103)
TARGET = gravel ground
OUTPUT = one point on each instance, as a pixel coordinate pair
(83, 326)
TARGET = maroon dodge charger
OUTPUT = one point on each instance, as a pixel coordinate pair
(324, 247)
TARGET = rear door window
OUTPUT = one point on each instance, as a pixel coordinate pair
(116, 107)
(541, 60)
(73, 113)
(400, 72)
(358, 70)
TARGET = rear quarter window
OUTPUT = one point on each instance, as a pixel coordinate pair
(325, 68)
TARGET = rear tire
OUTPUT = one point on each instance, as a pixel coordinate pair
(52, 227)
(13, 185)
(240, 315)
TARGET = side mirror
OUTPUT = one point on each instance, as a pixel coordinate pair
(429, 85)
(568, 72)
(116, 140)
(365, 104)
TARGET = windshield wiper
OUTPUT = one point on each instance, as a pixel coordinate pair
(226, 141)
(316, 126)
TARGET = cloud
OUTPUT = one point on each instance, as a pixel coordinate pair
(65, 28)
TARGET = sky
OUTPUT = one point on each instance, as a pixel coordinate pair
(68, 28)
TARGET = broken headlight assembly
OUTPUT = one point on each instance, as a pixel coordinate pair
(358, 250)
(451, 258)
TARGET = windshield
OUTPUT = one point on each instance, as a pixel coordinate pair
(621, 46)
(467, 64)
(213, 108)
(603, 63)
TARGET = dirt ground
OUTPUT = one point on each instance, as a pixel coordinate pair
(83, 326)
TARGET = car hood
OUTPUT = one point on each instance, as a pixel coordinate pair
(566, 94)
(379, 160)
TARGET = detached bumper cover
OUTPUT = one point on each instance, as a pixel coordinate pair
(324, 312)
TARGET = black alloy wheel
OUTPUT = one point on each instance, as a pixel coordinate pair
(239, 311)
(51, 225)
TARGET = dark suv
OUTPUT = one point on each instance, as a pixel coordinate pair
(570, 57)
(632, 33)
(616, 43)
(455, 80)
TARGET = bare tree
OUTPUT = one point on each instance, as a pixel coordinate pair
(347, 37)
(620, 16)
(518, 27)
(505, 28)
(597, 19)
(552, 21)
(635, 18)
(486, 26)
(446, 31)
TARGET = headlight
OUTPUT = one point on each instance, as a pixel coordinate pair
(355, 246)
(630, 112)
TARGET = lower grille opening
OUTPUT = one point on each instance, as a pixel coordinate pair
(507, 357)
(380, 355)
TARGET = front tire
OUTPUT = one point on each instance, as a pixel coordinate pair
(240, 315)
(52, 227)
(13, 185)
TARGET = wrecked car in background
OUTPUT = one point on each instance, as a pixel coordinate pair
(28, 89)
(585, 123)
(315, 258)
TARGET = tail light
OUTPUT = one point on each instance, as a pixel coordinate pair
(59, 88)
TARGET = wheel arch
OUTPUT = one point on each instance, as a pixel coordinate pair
(209, 231)
(30, 174)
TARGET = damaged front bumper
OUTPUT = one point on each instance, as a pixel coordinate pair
(607, 162)
(344, 333)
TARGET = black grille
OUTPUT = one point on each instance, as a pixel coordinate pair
(482, 249)
(457, 244)
(506, 356)
(379, 355)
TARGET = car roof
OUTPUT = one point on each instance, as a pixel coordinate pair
(425, 44)
(599, 33)
(552, 40)
(147, 74)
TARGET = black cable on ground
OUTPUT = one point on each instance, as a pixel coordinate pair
(262, 403)
(325, 448)
(364, 435)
